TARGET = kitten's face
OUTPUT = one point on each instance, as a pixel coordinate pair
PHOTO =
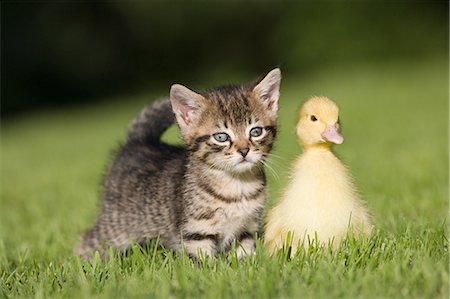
(233, 136)
(231, 128)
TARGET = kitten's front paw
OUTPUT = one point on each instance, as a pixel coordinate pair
(246, 248)
(200, 248)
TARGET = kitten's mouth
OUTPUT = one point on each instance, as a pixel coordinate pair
(243, 165)
(245, 161)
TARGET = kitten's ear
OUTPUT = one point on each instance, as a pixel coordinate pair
(185, 104)
(268, 89)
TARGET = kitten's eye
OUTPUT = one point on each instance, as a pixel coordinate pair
(221, 137)
(313, 118)
(256, 131)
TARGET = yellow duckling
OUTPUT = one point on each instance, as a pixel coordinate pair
(321, 198)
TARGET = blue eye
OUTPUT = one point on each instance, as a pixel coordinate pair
(221, 137)
(256, 131)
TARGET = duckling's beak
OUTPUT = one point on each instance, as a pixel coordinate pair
(331, 134)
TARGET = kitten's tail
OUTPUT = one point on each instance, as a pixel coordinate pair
(152, 122)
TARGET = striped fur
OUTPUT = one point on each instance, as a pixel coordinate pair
(201, 197)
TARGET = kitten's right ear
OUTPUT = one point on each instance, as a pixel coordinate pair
(185, 104)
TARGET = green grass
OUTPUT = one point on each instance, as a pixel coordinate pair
(396, 128)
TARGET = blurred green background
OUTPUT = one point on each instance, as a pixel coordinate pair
(75, 73)
(66, 52)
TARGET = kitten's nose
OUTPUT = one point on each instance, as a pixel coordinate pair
(243, 151)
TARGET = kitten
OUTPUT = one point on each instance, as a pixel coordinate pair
(201, 197)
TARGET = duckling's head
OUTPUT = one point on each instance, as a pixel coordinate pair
(318, 123)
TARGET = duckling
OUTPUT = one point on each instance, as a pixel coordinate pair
(321, 200)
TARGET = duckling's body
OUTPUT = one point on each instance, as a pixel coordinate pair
(320, 198)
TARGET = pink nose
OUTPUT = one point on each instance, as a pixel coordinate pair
(332, 134)
(243, 151)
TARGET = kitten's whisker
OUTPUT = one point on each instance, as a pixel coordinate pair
(212, 166)
(270, 155)
(271, 170)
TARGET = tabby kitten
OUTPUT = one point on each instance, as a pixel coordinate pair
(201, 197)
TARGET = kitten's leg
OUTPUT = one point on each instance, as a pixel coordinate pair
(246, 245)
(200, 244)
(100, 239)
(89, 243)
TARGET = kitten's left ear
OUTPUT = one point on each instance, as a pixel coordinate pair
(268, 90)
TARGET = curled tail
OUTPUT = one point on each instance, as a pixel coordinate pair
(152, 122)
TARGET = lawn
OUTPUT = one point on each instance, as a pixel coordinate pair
(395, 119)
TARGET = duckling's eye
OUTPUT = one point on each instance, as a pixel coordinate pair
(221, 137)
(256, 131)
(313, 118)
